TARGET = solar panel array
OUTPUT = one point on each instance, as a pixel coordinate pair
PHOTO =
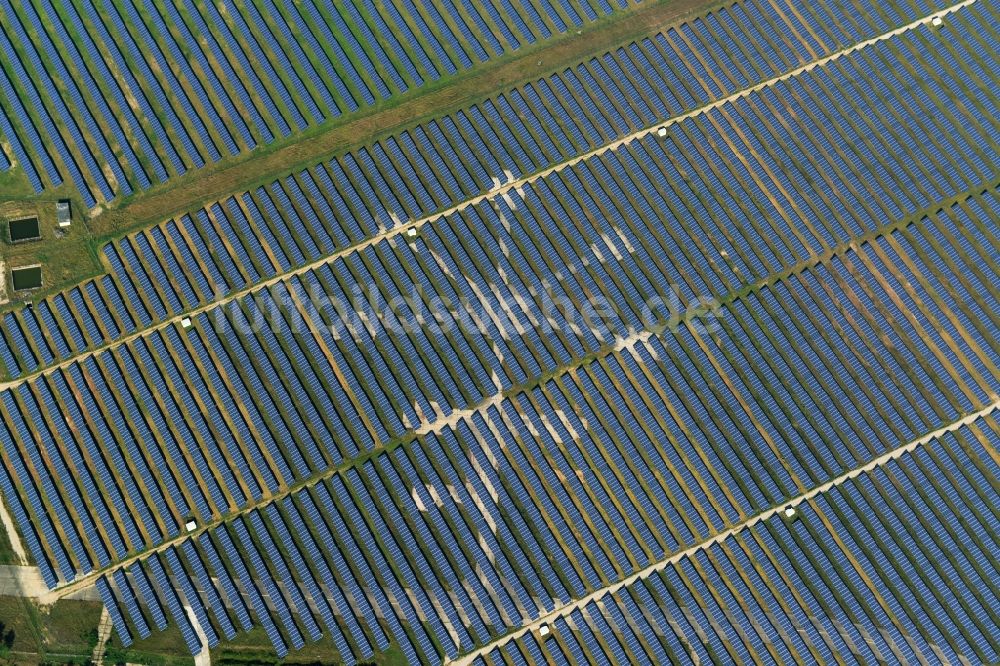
(731, 453)
(894, 566)
(436, 487)
(118, 96)
(864, 571)
(860, 580)
(307, 215)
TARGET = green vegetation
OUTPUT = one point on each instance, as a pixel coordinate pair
(254, 648)
(161, 648)
(7, 555)
(64, 633)
(66, 255)
(14, 182)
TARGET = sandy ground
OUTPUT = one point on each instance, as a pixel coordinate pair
(8, 522)
(24, 581)
(202, 658)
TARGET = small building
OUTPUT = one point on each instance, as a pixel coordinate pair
(790, 514)
(63, 215)
(24, 229)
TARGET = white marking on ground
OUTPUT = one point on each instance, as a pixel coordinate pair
(21, 581)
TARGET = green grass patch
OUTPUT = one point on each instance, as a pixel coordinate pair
(64, 633)
(66, 255)
(254, 648)
(7, 555)
(161, 648)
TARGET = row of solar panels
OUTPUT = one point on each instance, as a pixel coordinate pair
(207, 83)
(220, 417)
(862, 572)
(894, 566)
(231, 245)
